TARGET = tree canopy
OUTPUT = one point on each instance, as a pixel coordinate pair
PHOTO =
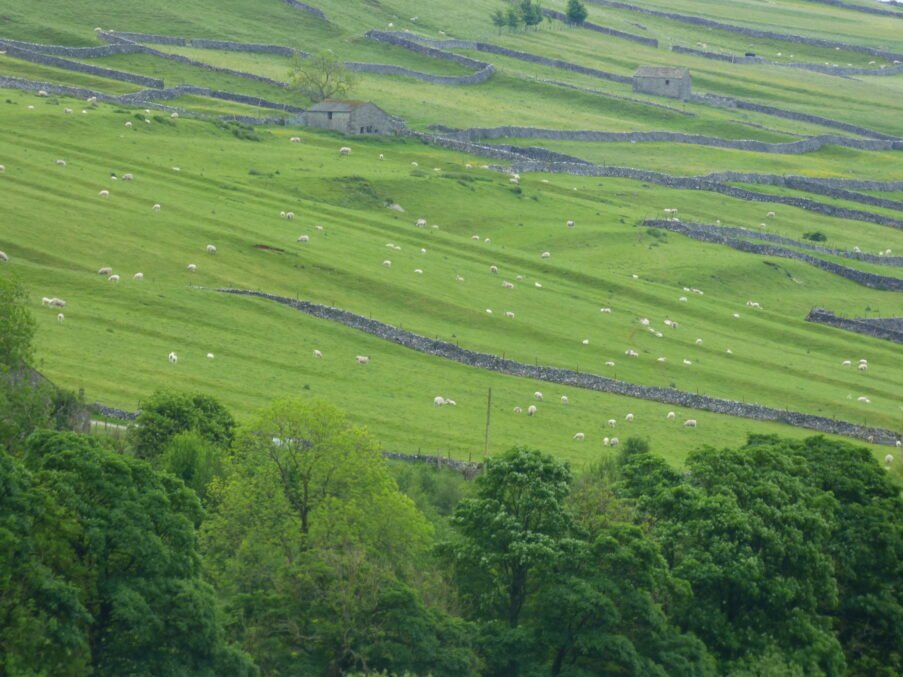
(321, 76)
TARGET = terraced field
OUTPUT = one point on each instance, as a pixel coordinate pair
(229, 191)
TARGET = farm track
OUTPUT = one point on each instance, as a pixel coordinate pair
(571, 378)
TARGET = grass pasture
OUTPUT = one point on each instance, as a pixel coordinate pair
(229, 191)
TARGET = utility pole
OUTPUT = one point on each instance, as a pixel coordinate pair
(488, 415)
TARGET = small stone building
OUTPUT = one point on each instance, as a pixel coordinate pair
(350, 117)
(663, 81)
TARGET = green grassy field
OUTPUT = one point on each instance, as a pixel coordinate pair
(229, 192)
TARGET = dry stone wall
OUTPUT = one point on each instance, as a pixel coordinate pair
(304, 7)
(889, 329)
(718, 236)
(841, 71)
(751, 32)
(575, 379)
(588, 25)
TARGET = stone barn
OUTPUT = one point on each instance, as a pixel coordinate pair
(350, 117)
(663, 81)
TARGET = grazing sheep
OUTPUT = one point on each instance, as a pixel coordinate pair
(531, 410)
(518, 410)
(173, 358)
(281, 215)
(106, 270)
(45, 301)
(687, 362)
(318, 227)
(192, 268)
(545, 255)
(382, 157)
(661, 359)
(4, 258)
(438, 401)
(629, 418)
(537, 396)
(211, 249)
(770, 215)
(612, 423)
(754, 304)
(604, 310)
(317, 353)
(493, 269)
(295, 139)
(699, 342)
(585, 342)
(630, 352)
(60, 317)
(290, 215)
(487, 241)
(128, 124)
(113, 278)
(509, 314)
(605, 441)
(614, 441)
(671, 416)
(127, 177)
(898, 444)
(489, 311)
(507, 285)
(2, 169)
(729, 351)
(418, 271)
(846, 363)
(61, 163)
(475, 237)
(104, 193)
(690, 423)
(889, 459)
(570, 224)
(42, 93)
(420, 223)
(304, 238)
(414, 164)
(138, 276)
(387, 263)
(363, 359)
(736, 316)
(56, 303)
(537, 285)
(67, 110)
(564, 399)
(609, 363)
(579, 437)
(451, 403)
(344, 150)
(682, 299)
(864, 399)
(156, 207)
(862, 366)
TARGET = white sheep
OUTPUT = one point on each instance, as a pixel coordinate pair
(451, 403)
(113, 278)
(387, 263)
(604, 310)
(682, 299)
(606, 441)
(629, 418)
(423, 250)
(889, 459)
(382, 157)
(531, 410)
(414, 164)
(56, 303)
(419, 271)
(754, 304)
(518, 410)
(127, 177)
(545, 255)
(614, 440)
(420, 223)
(67, 110)
(61, 163)
(864, 399)
(173, 358)
(770, 215)
(585, 342)
(106, 270)
(579, 437)
(317, 353)
(192, 268)
(2, 169)
(537, 396)
(290, 215)
(489, 311)
(570, 224)
(174, 115)
(138, 276)
(862, 366)
(609, 363)
(438, 401)
(537, 285)
(661, 359)
(295, 139)
(671, 416)
(612, 423)
(564, 399)
(846, 363)
(363, 359)
(687, 362)
(128, 124)
(344, 150)
(60, 317)
(304, 238)
(211, 249)
(104, 193)
(475, 237)
(156, 207)
(699, 342)
(281, 215)
(507, 285)
(210, 356)
(509, 314)
(690, 423)
(4, 257)
(630, 352)
(42, 93)
(493, 269)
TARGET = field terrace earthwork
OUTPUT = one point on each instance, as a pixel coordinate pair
(509, 137)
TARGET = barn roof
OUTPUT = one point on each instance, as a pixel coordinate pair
(336, 106)
(661, 72)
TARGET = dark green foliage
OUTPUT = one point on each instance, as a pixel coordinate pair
(576, 12)
(499, 19)
(121, 563)
(168, 413)
(530, 13)
(513, 18)
(815, 236)
(238, 130)
(17, 326)
(192, 459)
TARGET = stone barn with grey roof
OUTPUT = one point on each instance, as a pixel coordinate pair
(350, 117)
(663, 81)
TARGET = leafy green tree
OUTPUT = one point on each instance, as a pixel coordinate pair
(513, 18)
(321, 76)
(499, 19)
(317, 553)
(194, 460)
(17, 326)
(751, 536)
(168, 413)
(42, 618)
(576, 12)
(530, 13)
(133, 557)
